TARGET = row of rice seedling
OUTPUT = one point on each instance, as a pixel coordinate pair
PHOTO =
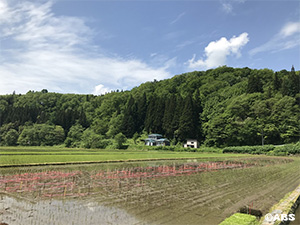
(151, 191)
(62, 183)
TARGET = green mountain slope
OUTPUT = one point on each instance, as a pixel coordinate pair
(220, 107)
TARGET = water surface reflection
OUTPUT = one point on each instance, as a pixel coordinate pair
(162, 192)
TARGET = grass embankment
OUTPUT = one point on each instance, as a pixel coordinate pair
(240, 219)
(14, 156)
(286, 205)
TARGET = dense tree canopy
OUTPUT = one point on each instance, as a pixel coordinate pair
(220, 107)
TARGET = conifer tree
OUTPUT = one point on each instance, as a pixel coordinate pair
(141, 112)
(276, 82)
(291, 84)
(187, 123)
(170, 110)
(155, 114)
(197, 113)
(176, 116)
(130, 117)
(254, 84)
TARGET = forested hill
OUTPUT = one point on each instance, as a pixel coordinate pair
(220, 107)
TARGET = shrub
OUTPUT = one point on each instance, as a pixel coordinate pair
(74, 136)
(90, 139)
(11, 137)
(287, 149)
(258, 149)
(120, 139)
(41, 134)
(281, 150)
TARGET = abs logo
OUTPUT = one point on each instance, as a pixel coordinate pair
(279, 217)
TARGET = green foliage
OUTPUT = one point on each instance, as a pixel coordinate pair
(276, 82)
(280, 150)
(129, 122)
(120, 139)
(290, 84)
(11, 137)
(220, 107)
(74, 136)
(249, 149)
(240, 219)
(41, 134)
(154, 116)
(135, 137)
(188, 120)
(90, 139)
(286, 149)
(254, 83)
(4, 130)
(115, 124)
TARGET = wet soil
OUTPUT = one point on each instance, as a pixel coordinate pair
(173, 192)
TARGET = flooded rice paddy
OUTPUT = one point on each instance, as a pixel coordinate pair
(161, 192)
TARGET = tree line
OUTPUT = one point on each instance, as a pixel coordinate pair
(219, 107)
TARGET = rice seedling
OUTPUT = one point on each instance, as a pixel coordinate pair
(164, 192)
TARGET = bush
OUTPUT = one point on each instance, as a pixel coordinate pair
(287, 149)
(74, 136)
(281, 150)
(90, 139)
(11, 137)
(41, 134)
(258, 149)
(120, 139)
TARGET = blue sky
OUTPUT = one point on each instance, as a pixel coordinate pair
(70, 46)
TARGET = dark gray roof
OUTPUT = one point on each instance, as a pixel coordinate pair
(154, 135)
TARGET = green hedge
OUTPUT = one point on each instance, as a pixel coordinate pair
(258, 149)
(286, 149)
(281, 150)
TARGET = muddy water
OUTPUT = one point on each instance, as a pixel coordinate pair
(297, 217)
(172, 192)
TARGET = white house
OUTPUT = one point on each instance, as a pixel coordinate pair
(191, 143)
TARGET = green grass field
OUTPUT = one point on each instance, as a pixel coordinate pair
(10, 156)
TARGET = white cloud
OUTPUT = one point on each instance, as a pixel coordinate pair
(100, 89)
(41, 50)
(288, 37)
(216, 52)
(227, 5)
(290, 29)
(3, 7)
(178, 18)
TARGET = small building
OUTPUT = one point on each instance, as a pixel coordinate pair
(191, 143)
(163, 142)
(155, 136)
(150, 142)
(156, 140)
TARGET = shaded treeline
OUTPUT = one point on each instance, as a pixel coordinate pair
(220, 107)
